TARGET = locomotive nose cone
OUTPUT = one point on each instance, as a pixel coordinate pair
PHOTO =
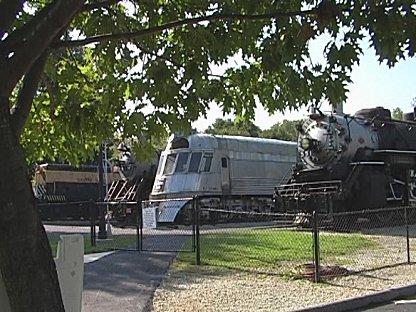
(317, 145)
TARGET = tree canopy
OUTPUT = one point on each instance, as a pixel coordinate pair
(75, 72)
(397, 113)
(285, 130)
(230, 127)
(164, 54)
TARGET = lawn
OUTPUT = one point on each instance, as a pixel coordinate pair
(269, 247)
(117, 242)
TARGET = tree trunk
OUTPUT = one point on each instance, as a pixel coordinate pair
(26, 261)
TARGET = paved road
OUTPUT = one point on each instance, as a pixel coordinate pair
(405, 305)
(123, 281)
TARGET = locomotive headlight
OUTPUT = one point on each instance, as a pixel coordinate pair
(305, 144)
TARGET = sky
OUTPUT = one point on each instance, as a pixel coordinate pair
(374, 84)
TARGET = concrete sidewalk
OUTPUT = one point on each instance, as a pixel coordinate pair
(123, 280)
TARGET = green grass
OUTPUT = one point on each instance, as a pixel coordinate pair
(268, 248)
(117, 241)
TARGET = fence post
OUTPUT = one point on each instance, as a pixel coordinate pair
(197, 241)
(406, 220)
(140, 226)
(407, 234)
(138, 207)
(317, 277)
(93, 235)
(193, 223)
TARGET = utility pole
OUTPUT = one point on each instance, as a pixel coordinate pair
(102, 233)
(106, 182)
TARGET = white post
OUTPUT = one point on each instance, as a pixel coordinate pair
(70, 269)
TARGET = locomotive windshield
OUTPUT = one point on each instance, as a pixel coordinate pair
(170, 164)
(185, 162)
(194, 163)
(208, 161)
(161, 164)
(182, 162)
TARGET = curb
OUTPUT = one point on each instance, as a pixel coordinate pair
(92, 257)
(364, 301)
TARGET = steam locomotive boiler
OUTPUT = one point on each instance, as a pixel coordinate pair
(349, 162)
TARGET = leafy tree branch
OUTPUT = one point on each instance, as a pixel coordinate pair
(20, 111)
(98, 4)
(178, 23)
(8, 12)
(59, 15)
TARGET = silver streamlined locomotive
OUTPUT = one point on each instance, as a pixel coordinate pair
(225, 172)
(349, 162)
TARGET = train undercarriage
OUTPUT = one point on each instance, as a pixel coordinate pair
(369, 186)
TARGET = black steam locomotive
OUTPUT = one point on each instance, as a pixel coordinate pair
(358, 162)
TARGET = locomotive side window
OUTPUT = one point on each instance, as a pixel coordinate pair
(170, 164)
(194, 163)
(182, 162)
(207, 163)
(224, 162)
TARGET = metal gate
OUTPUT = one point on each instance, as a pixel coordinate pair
(116, 226)
(167, 225)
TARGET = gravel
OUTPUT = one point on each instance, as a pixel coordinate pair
(206, 289)
(234, 291)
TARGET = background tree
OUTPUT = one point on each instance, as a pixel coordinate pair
(229, 127)
(74, 72)
(397, 113)
(285, 130)
(413, 102)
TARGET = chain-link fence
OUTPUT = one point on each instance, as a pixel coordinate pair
(374, 239)
(168, 225)
(312, 245)
(258, 242)
(306, 245)
(105, 226)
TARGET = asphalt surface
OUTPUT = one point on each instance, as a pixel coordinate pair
(383, 301)
(396, 306)
(123, 280)
(126, 281)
